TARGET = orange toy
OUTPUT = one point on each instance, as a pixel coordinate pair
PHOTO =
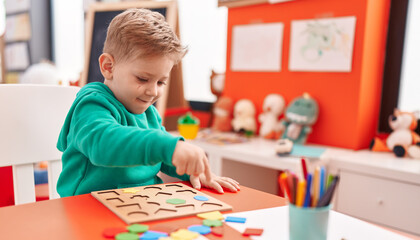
(222, 117)
(403, 141)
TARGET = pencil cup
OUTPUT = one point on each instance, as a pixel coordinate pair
(308, 223)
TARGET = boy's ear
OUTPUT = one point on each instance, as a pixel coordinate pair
(106, 63)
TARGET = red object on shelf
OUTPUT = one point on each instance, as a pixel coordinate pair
(6, 187)
(176, 111)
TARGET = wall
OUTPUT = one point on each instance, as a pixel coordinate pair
(349, 102)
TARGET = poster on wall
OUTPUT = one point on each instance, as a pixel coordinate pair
(257, 47)
(324, 45)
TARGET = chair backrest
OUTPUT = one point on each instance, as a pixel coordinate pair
(31, 117)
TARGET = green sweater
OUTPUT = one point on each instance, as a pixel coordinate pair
(106, 147)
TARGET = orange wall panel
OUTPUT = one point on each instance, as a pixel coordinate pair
(349, 102)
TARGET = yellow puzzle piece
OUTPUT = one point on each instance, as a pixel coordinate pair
(184, 234)
(216, 215)
(130, 190)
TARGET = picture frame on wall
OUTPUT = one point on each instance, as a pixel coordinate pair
(257, 47)
(323, 45)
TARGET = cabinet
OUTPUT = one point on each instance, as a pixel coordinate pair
(379, 188)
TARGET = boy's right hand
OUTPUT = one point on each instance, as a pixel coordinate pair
(190, 159)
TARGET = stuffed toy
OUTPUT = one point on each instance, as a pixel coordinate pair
(217, 83)
(222, 111)
(41, 73)
(403, 141)
(244, 117)
(273, 107)
(300, 115)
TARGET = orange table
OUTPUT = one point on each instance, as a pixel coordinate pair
(83, 217)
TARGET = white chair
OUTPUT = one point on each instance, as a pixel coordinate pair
(31, 117)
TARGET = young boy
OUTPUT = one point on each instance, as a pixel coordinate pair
(112, 136)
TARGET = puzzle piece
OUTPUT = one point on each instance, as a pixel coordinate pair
(137, 228)
(184, 234)
(130, 190)
(216, 215)
(152, 235)
(235, 219)
(203, 230)
(218, 231)
(253, 231)
(175, 201)
(201, 198)
(212, 223)
(112, 232)
(127, 236)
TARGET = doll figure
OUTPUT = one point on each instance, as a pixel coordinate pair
(300, 115)
(273, 107)
(222, 112)
(403, 140)
(244, 117)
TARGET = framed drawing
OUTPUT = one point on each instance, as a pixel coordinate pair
(324, 45)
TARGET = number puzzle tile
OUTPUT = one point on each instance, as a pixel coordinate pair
(215, 215)
(130, 190)
(203, 230)
(127, 236)
(112, 232)
(175, 201)
(218, 231)
(184, 234)
(152, 235)
(137, 228)
(253, 231)
(212, 223)
(235, 219)
(201, 198)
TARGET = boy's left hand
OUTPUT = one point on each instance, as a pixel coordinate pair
(217, 183)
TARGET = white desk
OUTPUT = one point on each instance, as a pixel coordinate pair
(275, 223)
(376, 187)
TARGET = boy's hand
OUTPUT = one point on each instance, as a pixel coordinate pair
(217, 183)
(190, 159)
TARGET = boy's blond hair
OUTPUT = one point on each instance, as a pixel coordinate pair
(141, 32)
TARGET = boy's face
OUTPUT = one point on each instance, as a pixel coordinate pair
(139, 83)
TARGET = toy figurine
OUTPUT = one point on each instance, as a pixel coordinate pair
(403, 141)
(217, 83)
(222, 111)
(244, 117)
(300, 115)
(273, 107)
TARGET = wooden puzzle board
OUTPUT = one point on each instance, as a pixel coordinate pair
(149, 202)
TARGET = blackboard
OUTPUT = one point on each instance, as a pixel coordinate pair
(98, 18)
(100, 26)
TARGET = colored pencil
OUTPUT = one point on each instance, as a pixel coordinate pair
(300, 193)
(283, 185)
(316, 187)
(307, 202)
(326, 199)
(304, 168)
(321, 182)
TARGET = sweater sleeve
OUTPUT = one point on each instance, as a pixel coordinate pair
(97, 134)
